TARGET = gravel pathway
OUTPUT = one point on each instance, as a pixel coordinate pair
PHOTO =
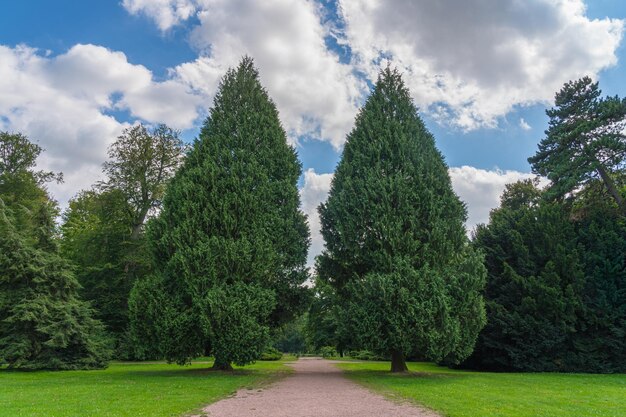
(316, 388)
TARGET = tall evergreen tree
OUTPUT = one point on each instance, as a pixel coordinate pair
(43, 323)
(230, 243)
(396, 249)
(585, 140)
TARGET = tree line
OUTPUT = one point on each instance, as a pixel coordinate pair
(184, 251)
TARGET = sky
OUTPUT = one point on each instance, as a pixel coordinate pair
(74, 74)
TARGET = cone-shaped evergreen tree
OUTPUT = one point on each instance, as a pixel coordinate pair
(43, 323)
(230, 243)
(396, 249)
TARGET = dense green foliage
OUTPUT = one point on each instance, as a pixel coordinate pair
(396, 250)
(556, 258)
(230, 243)
(585, 140)
(457, 393)
(271, 354)
(141, 163)
(43, 322)
(103, 228)
(21, 187)
(128, 389)
(534, 278)
(96, 238)
(292, 336)
(324, 326)
(556, 288)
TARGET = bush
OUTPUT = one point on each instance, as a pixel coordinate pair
(328, 352)
(271, 354)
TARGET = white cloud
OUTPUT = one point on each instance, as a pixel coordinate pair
(480, 190)
(524, 124)
(312, 194)
(315, 93)
(62, 102)
(470, 62)
(166, 13)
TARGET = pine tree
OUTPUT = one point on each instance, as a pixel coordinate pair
(43, 323)
(585, 141)
(230, 243)
(396, 249)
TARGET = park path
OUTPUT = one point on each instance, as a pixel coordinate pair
(316, 388)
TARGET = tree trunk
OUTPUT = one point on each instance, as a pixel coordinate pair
(221, 365)
(136, 231)
(398, 364)
(610, 185)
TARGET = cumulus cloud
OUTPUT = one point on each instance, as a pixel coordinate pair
(314, 192)
(470, 62)
(166, 13)
(63, 103)
(316, 94)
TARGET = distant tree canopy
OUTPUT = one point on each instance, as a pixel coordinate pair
(396, 250)
(22, 188)
(43, 322)
(141, 162)
(103, 228)
(230, 242)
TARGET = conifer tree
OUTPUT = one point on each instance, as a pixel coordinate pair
(585, 141)
(396, 249)
(230, 243)
(43, 322)
(534, 282)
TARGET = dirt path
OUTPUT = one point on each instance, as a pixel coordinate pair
(316, 388)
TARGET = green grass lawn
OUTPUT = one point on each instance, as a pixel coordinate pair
(126, 389)
(482, 394)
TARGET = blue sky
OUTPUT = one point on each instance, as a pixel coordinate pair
(73, 74)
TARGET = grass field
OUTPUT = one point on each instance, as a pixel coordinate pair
(473, 394)
(126, 389)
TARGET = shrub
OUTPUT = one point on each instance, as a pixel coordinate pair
(328, 352)
(271, 354)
